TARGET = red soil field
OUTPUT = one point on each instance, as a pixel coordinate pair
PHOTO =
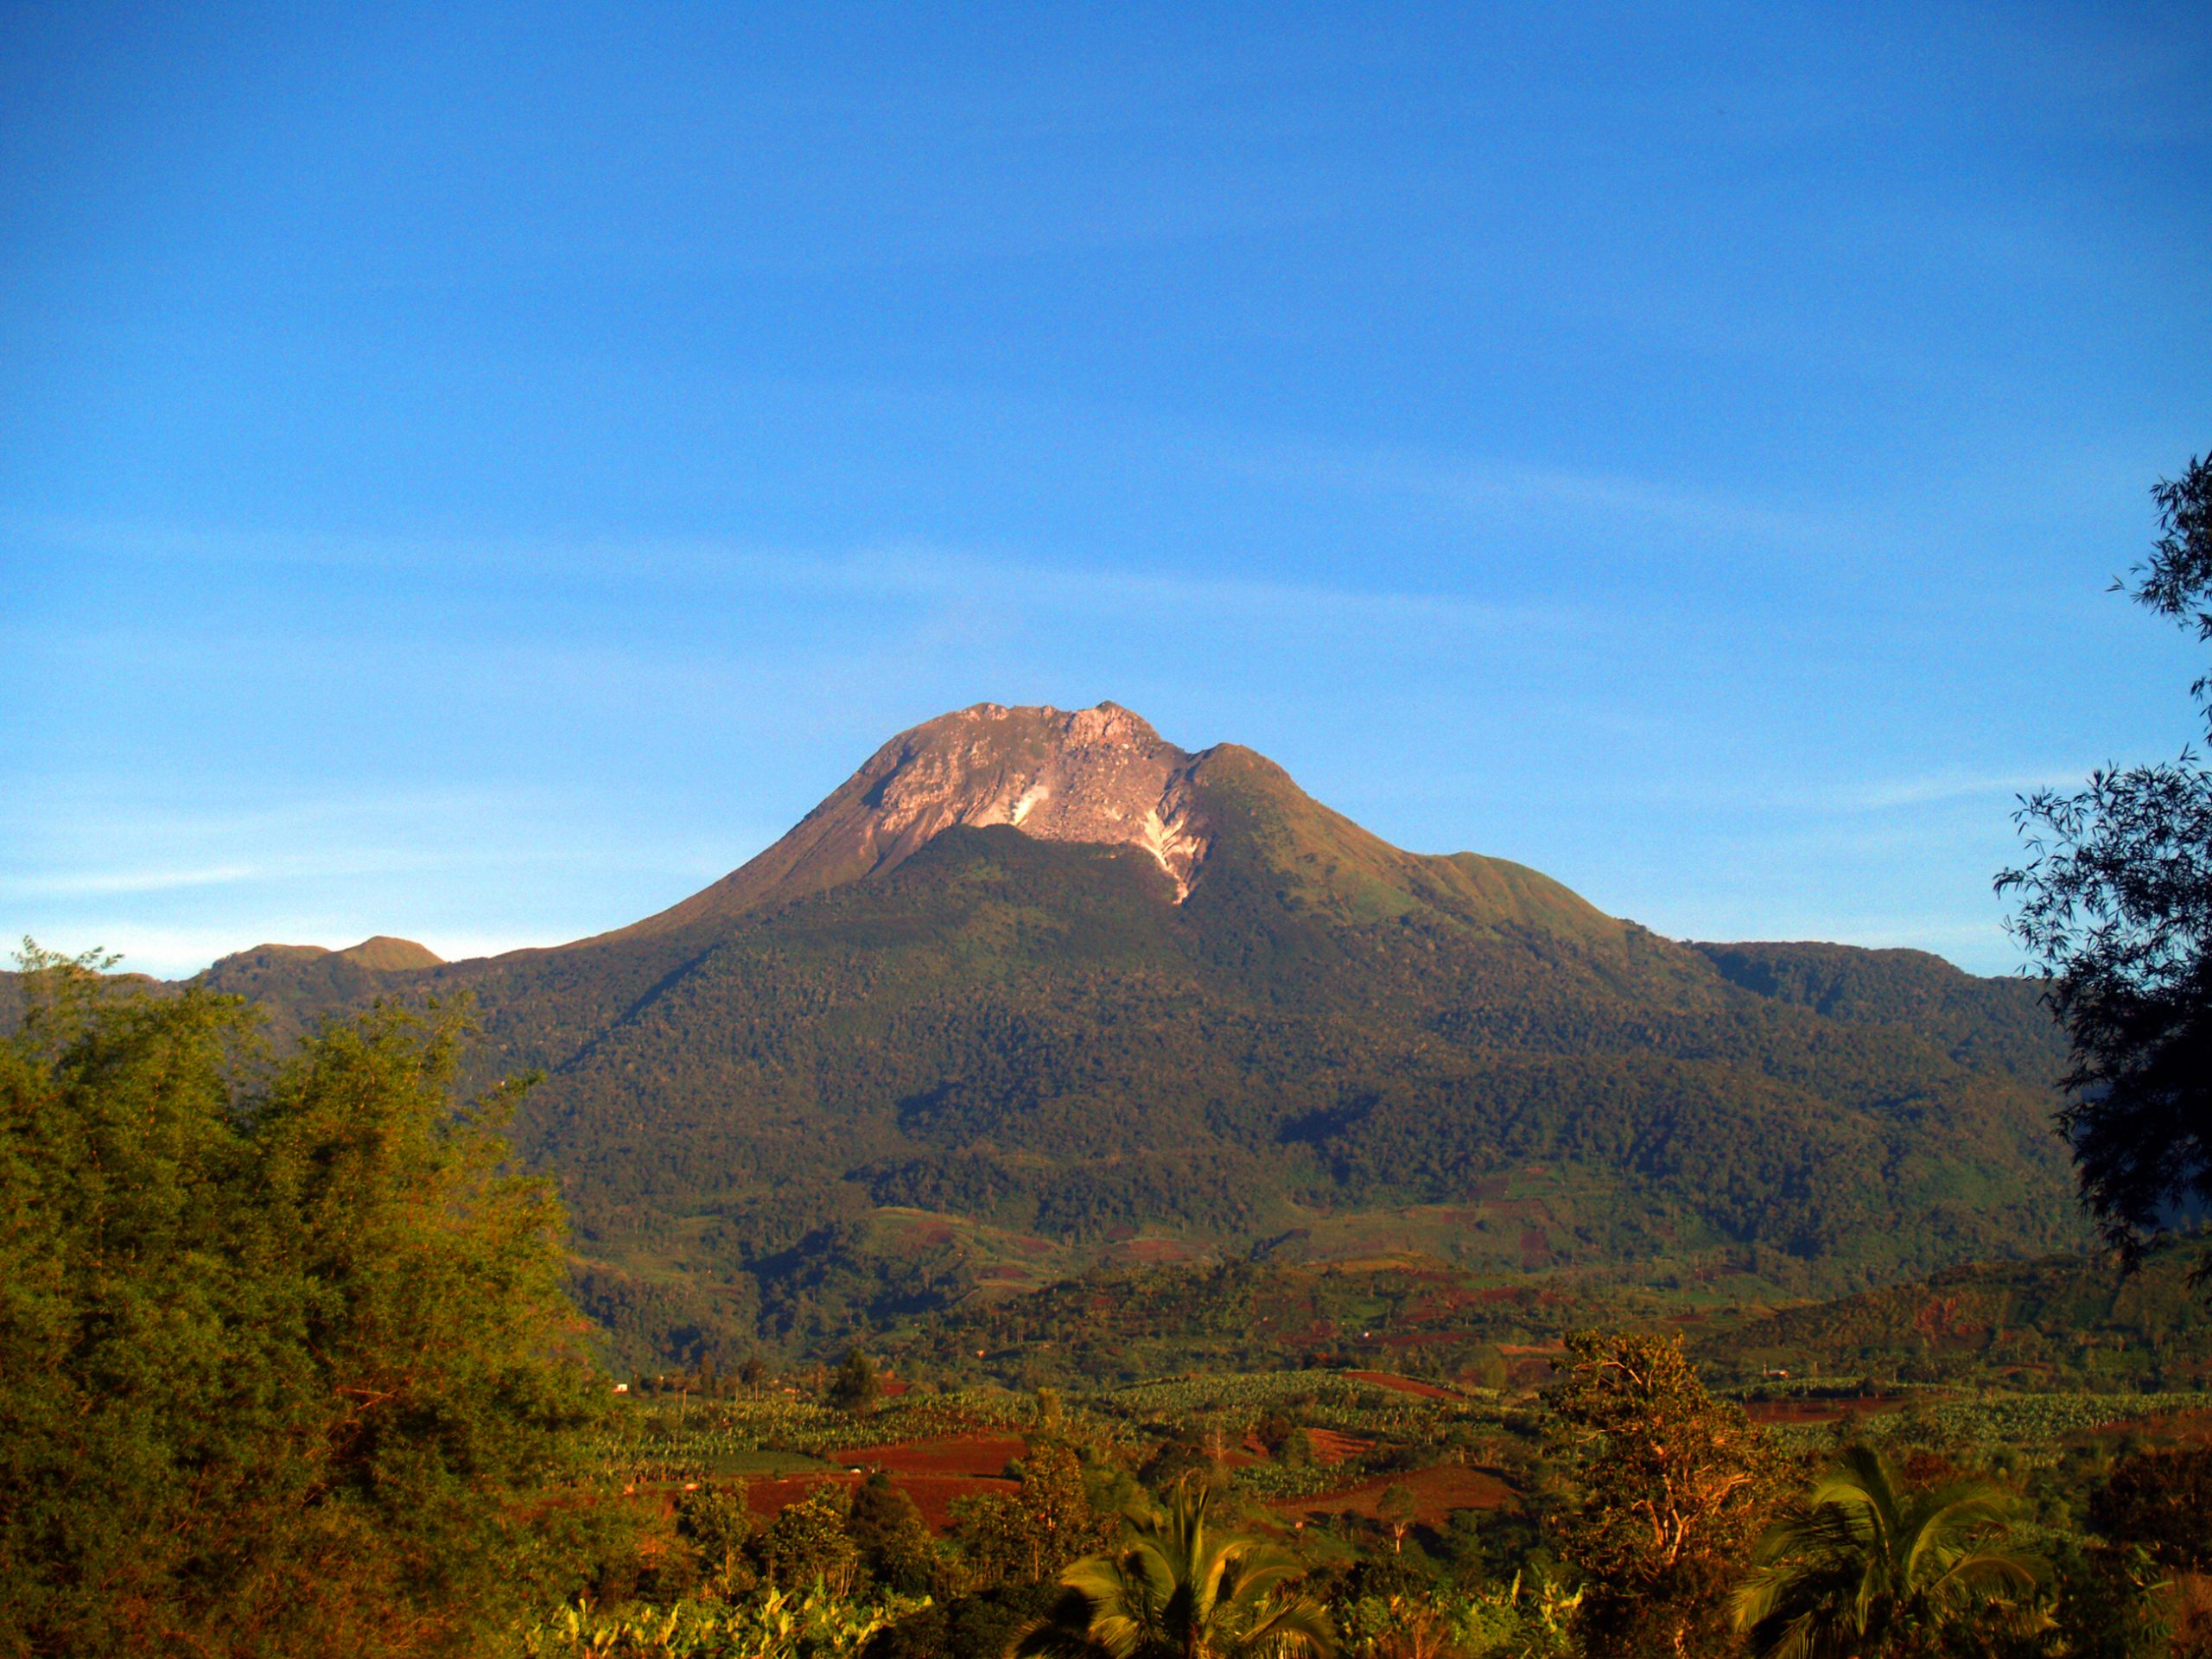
(2189, 1428)
(953, 1454)
(1155, 1250)
(1331, 1447)
(1436, 1492)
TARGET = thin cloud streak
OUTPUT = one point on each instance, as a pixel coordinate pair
(1502, 492)
(86, 884)
(880, 571)
(1924, 791)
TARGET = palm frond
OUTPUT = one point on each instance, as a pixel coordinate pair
(1292, 1630)
(1070, 1629)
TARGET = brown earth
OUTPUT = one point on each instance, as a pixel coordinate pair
(951, 1455)
(1330, 1448)
(1436, 1491)
(2189, 1428)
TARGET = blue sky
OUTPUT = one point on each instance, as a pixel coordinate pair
(479, 473)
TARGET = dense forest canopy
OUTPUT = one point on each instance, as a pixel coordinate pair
(784, 1114)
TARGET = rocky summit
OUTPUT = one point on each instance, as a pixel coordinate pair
(1100, 776)
(1097, 775)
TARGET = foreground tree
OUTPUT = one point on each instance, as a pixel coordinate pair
(1866, 1566)
(2116, 905)
(1674, 1487)
(283, 1368)
(1177, 1589)
(1030, 1533)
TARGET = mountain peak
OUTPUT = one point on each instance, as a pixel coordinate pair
(1099, 775)
(388, 955)
(380, 953)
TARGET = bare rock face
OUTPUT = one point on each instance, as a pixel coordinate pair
(1097, 775)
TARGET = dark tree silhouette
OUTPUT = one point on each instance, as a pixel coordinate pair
(2116, 905)
(855, 1387)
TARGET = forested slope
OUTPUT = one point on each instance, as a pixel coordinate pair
(1288, 1033)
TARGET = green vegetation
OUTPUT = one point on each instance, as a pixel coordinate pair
(1674, 1485)
(289, 1372)
(285, 1361)
(1373, 1254)
(1008, 1061)
(2064, 1322)
(1175, 1589)
(2116, 904)
(1865, 1562)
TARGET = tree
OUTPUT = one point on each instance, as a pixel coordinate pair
(807, 1540)
(1865, 1565)
(888, 1528)
(1177, 1590)
(1031, 1533)
(715, 1522)
(2116, 906)
(1398, 1509)
(1674, 1486)
(286, 1362)
(854, 1387)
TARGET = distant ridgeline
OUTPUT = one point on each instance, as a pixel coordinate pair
(1036, 991)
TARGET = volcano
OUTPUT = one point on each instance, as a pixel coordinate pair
(1036, 988)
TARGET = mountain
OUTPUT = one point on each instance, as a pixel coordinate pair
(1035, 989)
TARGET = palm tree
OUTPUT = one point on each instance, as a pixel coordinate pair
(1176, 1591)
(1865, 1561)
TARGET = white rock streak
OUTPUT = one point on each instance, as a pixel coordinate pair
(1099, 775)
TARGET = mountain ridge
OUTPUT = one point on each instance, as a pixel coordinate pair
(1046, 976)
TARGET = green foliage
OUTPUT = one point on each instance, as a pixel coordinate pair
(1177, 1590)
(1005, 1057)
(1865, 1564)
(1030, 1534)
(855, 1388)
(2116, 905)
(1674, 1486)
(717, 1524)
(2027, 1324)
(1508, 1621)
(285, 1360)
(893, 1540)
(776, 1623)
(808, 1542)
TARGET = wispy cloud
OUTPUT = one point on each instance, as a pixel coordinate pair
(1889, 797)
(93, 883)
(883, 572)
(1588, 498)
(1504, 492)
